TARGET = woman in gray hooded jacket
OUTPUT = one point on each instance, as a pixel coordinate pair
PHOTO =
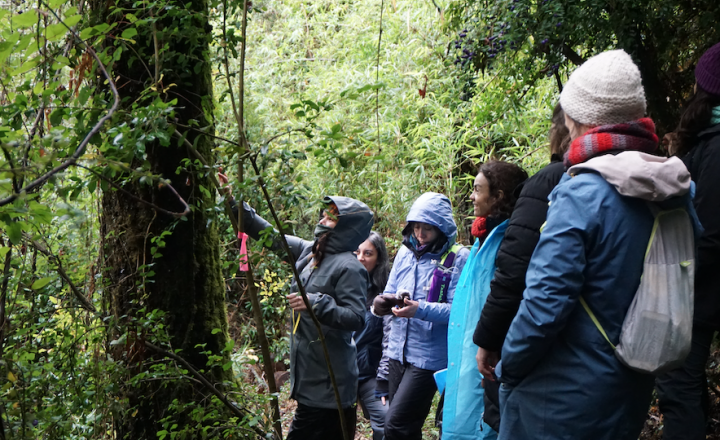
(336, 285)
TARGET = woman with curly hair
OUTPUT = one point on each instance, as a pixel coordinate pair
(493, 197)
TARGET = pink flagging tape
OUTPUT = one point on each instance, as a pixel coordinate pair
(243, 251)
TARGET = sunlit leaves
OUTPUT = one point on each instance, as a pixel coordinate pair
(25, 20)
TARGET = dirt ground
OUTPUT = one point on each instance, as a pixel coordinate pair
(653, 426)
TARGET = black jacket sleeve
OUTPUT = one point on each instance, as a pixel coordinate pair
(703, 162)
(513, 258)
(254, 225)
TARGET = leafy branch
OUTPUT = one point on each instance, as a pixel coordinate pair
(240, 412)
(95, 129)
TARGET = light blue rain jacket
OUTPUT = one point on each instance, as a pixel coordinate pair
(463, 408)
(422, 340)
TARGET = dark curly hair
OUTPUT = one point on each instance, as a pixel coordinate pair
(503, 178)
(695, 118)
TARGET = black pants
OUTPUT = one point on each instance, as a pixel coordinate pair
(321, 423)
(491, 398)
(411, 391)
(683, 393)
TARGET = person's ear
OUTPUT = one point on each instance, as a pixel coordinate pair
(496, 200)
(500, 196)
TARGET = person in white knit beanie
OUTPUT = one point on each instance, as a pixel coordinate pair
(559, 376)
(604, 105)
(606, 89)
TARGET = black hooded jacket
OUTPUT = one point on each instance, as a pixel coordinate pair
(703, 162)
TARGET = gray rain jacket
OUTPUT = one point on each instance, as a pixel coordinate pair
(336, 290)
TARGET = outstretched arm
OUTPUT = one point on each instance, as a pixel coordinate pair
(256, 226)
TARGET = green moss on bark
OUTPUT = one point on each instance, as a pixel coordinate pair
(187, 284)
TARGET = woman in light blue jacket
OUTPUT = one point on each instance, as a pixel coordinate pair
(417, 342)
(493, 200)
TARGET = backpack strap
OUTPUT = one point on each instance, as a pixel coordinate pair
(595, 321)
(448, 258)
(445, 266)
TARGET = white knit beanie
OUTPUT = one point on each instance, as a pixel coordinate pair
(605, 89)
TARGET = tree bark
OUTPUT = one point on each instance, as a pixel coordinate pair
(185, 283)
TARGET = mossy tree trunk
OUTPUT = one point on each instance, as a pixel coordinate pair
(185, 282)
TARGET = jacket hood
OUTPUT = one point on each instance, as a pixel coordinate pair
(355, 220)
(434, 209)
(640, 175)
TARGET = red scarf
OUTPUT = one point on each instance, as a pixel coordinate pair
(632, 136)
(479, 228)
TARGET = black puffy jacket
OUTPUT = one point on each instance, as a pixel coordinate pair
(703, 162)
(521, 237)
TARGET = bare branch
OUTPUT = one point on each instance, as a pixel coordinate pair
(145, 202)
(303, 294)
(572, 55)
(55, 259)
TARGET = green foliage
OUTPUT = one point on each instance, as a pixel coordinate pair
(324, 112)
(380, 132)
(550, 37)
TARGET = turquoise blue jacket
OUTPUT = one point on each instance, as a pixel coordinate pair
(463, 408)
